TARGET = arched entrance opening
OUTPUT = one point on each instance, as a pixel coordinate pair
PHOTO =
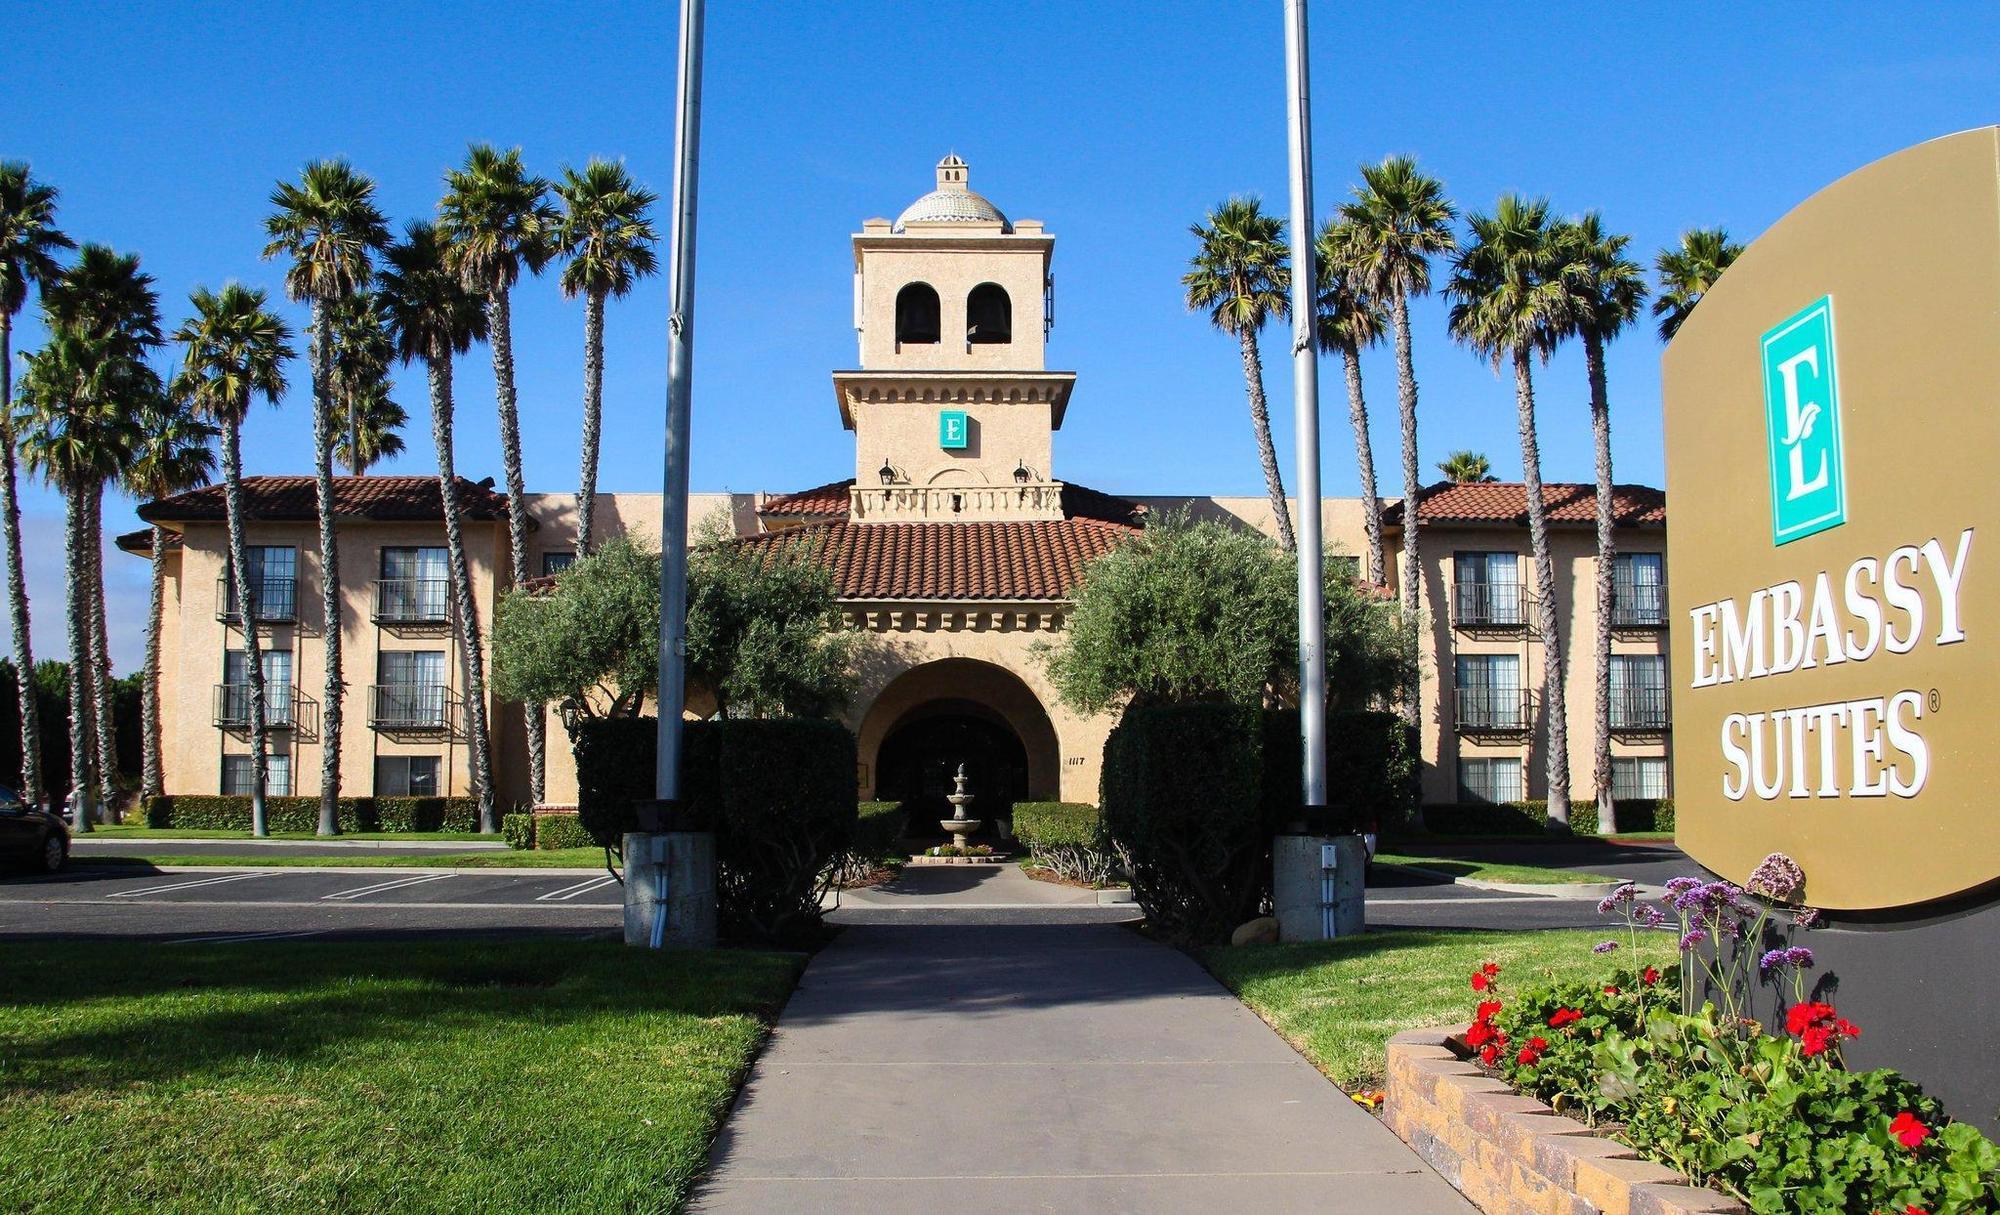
(931, 718)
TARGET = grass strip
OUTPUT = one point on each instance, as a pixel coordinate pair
(1491, 871)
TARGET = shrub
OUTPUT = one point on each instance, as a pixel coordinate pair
(556, 831)
(217, 812)
(1068, 838)
(1183, 793)
(878, 828)
(1532, 817)
(1372, 764)
(519, 829)
(779, 794)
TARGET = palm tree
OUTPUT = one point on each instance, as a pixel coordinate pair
(1510, 304)
(1606, 289)
(1350, 320)
(329, 226)
(1398, 219)
(107, 300)
(1241, 275)
(366, 419)
(236, 351)
(29, 242)
(495, 220)
(435, 317)
(174, 454)
(1687, 273)
(608, 239)
(1466, 468)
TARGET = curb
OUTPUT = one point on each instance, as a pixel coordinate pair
(83, 862)
(1554, 890)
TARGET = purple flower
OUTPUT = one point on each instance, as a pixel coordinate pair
(1651, 917)
(1771, 961)
(1604, 947)
(1778, 877)
(1807, 917)
(1691, 939)
(1681, 885)
(1799, 956)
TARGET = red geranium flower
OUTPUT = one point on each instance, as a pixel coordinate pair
(1908, 1131)
(1479, 1033)
(1564, 1016)
(1489, 1054)
(1527, 1057)
(1611, 991)
(1798, 1016)
(1650, 975)
(1538, 1043)
(1480, 982)
(1490, 970)
(1486, 1009)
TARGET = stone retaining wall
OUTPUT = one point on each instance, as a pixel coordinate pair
(1513, 1155)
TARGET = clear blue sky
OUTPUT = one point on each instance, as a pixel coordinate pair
(165, 127)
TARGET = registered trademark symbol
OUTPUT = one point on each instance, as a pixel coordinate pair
(1934, 700)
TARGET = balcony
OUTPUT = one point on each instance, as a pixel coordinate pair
(277, 600)
(1634, 606)
(955, 503)
(1493, 710)
(412, 601)
(1639, 710)
(1489, 605)
(285, 708)
(412, 708)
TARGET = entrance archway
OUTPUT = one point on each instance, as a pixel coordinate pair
(921, 755)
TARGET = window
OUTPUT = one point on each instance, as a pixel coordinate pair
(235, 693)
(917, 314)
(406, 776)
(1489, 780)
(410, 690)
(1638, 691)
(274, 584)
(989, 316)
(1638, 590)
(415, 585)
(1636, 777)
(556, 563)
(1486, 588)
(238, 776)
(1489, 692)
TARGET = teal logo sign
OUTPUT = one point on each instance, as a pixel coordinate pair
(1802, 425)
(952, 429)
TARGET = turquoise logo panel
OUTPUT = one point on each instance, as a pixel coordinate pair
(953, 431)
(1802, 425)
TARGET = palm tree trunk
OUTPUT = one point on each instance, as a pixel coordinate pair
(1545, 591)
(32, 787)
(106, 724)
(593, 415)
(500, 325)
(480, 748)
(75, 521)
(152, 778)
(1406, 400)
(329, 574)
(246, 612)
(1260, 421)
(1607, 551)
(1364, 459)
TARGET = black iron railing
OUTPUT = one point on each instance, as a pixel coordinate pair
(277, 599)
(1638, 605)
(1489, 604)
(412, 601)
(1639, 708)
(1493, 710)
(411, 706)
(285, 708)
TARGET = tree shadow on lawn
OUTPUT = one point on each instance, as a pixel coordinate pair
(148, 1015)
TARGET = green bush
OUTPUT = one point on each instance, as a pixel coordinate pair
(1531, 817)
(878, 830)
(779, 795)
(1183, 792)
(557, 831)
(1372, 764)
(216, 812)
(1068, 838)
(519, 830)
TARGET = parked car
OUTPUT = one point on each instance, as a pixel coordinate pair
(31, 834)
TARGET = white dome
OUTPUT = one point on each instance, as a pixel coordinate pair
(952, 201)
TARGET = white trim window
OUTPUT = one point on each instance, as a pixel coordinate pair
(238, 776)
(1490, 779)
(406, 775)
(1638, 777)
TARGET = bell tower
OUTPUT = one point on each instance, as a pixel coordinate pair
(952, 407)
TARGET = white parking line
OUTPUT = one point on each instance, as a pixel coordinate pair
(380, 887)
(569, 892)
(214, 881)
(231, 938)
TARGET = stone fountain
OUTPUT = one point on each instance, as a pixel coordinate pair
(959, 825)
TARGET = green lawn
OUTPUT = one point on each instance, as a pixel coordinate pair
(530, 1076)
(122, 831)
(1339, 1001)
(558, 858)
(1527, 875)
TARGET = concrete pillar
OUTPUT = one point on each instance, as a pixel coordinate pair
(685, 862)
(1319, 886)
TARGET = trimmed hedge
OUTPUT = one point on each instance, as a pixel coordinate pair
(519, 830)
(217, 812)
(1532, 817)
(1373, 761)
(878, 829)
(1067, 837)
(555, 831)
(779, 795)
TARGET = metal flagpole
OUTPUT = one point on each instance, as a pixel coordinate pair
(680, 381)
(1305, 411)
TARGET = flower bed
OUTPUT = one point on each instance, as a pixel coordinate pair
(1771, 1117)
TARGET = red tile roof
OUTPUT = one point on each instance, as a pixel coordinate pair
(1507, 502)
(1041, 560)
(141, 541)
(828, 499)
(379, 499)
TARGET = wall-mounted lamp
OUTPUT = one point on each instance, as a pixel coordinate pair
(1021, 473)
(888, 473)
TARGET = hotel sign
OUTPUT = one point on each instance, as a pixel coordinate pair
(954, 433)
(1838, 670)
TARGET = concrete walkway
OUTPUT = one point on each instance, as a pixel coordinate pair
(971, 1066)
